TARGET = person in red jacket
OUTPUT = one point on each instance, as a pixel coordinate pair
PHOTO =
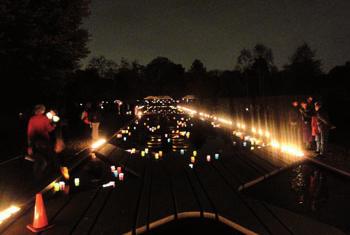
(40, 146)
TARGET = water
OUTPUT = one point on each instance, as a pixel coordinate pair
(310, 190)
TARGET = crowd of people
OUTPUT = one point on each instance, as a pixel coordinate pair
(310, 121)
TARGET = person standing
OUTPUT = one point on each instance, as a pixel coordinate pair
(306, 124)
(86, 123)
(40, 145)
(323, 125)
(95, 119)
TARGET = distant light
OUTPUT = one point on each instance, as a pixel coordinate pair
(77, 182)
(208, 158)
(216, 156)
(190, 165)
(98, 143)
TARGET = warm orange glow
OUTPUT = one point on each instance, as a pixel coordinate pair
(98, 143)
(7, 213)
(287, 146)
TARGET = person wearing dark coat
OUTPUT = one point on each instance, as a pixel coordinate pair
(306, 115)
(324, 125)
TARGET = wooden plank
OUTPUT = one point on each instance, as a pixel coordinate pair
(226, 200)
(183, 193)
(117, 215)
(72, 213)
(89, 217)
(161, 201)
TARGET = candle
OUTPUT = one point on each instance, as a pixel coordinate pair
(195, 153)
(193, 159)
(143, 153)
(112, 168)
(160, 153)
(77, 182)
(121, 176)
(109, 184)
(208, 158)
(216, 156)
(146, 150)
(56, 187)
(62, 184)
(156, 156)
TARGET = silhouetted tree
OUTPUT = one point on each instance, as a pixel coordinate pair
(165, 77)
(41, 40)
(105, 68)
(197, 67)
(303, 69)
(244, 60)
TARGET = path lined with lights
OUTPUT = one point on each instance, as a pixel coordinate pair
(252, 134)
(162, 184)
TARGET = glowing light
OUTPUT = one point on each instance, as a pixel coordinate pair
(109, 184)
(143, 153)
(275, 144)
(146, 150)
(156, 156)
(208, 158)
(190, 165)
(112, 168)
(216, 156)
(56, 187)
(49, 115)
(261, 132)
(76, 182)
(121, 176)
(193, 159)
(182, 151)
(253, 130)
(267, 134)
(62, 185)
(7, 213)
(98, 143)
(55, 118)
(195, 153)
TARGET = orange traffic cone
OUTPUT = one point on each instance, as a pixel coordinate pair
(40, 219)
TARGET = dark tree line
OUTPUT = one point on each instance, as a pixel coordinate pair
(254, 75)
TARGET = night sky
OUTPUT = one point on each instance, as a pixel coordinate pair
(215, 31)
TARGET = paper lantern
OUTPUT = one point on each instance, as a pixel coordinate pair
(77, 182)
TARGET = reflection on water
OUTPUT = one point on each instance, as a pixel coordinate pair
(298, 183)
(310, 186)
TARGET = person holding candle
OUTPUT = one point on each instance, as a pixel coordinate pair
(40, 146)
